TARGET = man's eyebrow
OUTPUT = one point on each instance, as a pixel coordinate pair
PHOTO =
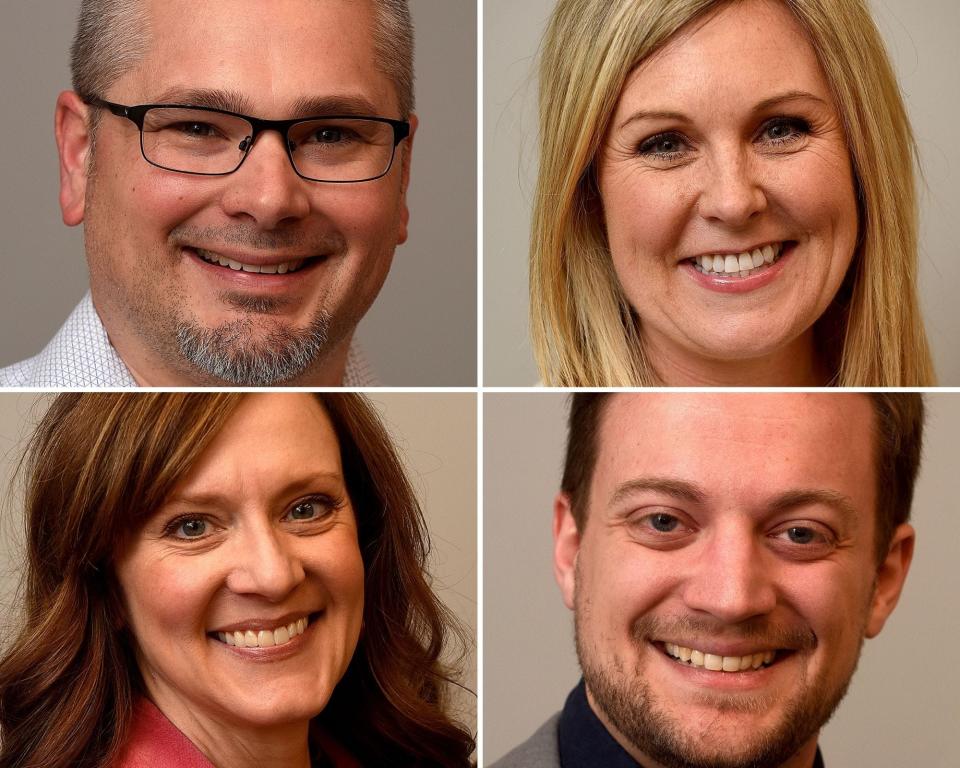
(762, 106)
(672, 487)
(804, 497)
(215, 98)
(234, 101)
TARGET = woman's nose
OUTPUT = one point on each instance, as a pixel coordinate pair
(730, 581)
(265, 564)
(731, 192)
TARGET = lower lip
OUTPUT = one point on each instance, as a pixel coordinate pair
(271, 653)
(723, 681)
(262, 283)
(730, 284)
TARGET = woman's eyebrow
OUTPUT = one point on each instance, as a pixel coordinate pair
(301, 483)
(762, 106)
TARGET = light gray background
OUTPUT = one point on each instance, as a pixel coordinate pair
(921, 38)
(904, 704)
(436, 436)
(421, 331)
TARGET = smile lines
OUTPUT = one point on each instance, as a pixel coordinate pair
(739, 265)
(237, 266)
(714, 663)
(264, 638)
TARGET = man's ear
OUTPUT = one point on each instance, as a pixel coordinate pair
(566, 547)
(73, 143)
(891, 575)
(405, 159)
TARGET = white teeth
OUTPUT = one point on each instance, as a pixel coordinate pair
(266, 269)
(264, 638)
(716, 663)
(742, 264)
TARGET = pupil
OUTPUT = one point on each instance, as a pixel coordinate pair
(194, 527)
(302, 511)
(664, 523)
(801, 535)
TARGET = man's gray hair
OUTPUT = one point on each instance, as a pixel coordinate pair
(113, 35)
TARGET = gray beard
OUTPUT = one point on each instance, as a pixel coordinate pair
(626, 701)
(227, 354)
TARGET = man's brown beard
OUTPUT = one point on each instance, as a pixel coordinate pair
(626, 701)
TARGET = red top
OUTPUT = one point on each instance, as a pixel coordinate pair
(155, 742)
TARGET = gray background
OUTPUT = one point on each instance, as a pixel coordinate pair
(904, 704)
(436, 436)
(421, 331)
(921, 39)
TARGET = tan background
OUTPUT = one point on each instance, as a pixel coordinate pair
(904, 704)
(436, 435)
(921, 38)
(422, 330)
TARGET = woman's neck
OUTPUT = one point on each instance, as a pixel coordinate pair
(228, 744)
(796, 365)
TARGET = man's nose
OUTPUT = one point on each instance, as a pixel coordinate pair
(730, 189)
(264, 564)
(265, 187)
(731, 580)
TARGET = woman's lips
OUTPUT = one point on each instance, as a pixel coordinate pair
(740, 280)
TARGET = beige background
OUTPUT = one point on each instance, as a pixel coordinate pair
(921, 38)
(436, 435)
(422, 330)
(904, 704)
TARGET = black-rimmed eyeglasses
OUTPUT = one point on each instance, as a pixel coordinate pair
(214, 142)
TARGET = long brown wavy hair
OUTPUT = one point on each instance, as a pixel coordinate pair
(98, 465)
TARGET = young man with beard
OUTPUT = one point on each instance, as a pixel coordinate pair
(725, 556)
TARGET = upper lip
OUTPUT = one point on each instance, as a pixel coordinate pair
(736, 251)
(726, 648)
(256, 260)
(256, 624)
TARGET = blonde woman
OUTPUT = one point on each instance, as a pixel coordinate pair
(726, 197)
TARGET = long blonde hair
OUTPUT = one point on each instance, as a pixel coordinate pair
(584, 331)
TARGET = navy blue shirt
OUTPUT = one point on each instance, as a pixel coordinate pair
(586, 743)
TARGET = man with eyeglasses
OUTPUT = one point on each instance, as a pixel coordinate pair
(240, 169)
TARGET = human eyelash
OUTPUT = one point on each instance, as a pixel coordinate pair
(171, 528)
(801, 128)
(328, 506)
(647, 146)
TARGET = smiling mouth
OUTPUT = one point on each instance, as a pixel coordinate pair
(264, 638)
(283, 268)
(742, 264)
(691, 657)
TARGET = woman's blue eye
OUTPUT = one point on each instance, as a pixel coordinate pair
(664, 144)
(191, 529)
(784, 130)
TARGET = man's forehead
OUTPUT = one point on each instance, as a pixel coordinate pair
(780, 437)
(277, 59)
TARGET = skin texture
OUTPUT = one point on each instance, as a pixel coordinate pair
(725, 176)
(255, 559)
(733, 565)
(140, 219)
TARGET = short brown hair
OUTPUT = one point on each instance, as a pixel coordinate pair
(98, 466)
(899, 438)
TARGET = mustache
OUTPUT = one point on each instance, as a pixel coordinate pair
(251, 238)
(760, 630)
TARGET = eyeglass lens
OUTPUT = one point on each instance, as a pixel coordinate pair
(198, 141)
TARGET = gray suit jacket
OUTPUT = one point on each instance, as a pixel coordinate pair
(541, 750)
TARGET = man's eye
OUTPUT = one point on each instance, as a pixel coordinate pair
(199, 130)
(663, 522)
(800, 534)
